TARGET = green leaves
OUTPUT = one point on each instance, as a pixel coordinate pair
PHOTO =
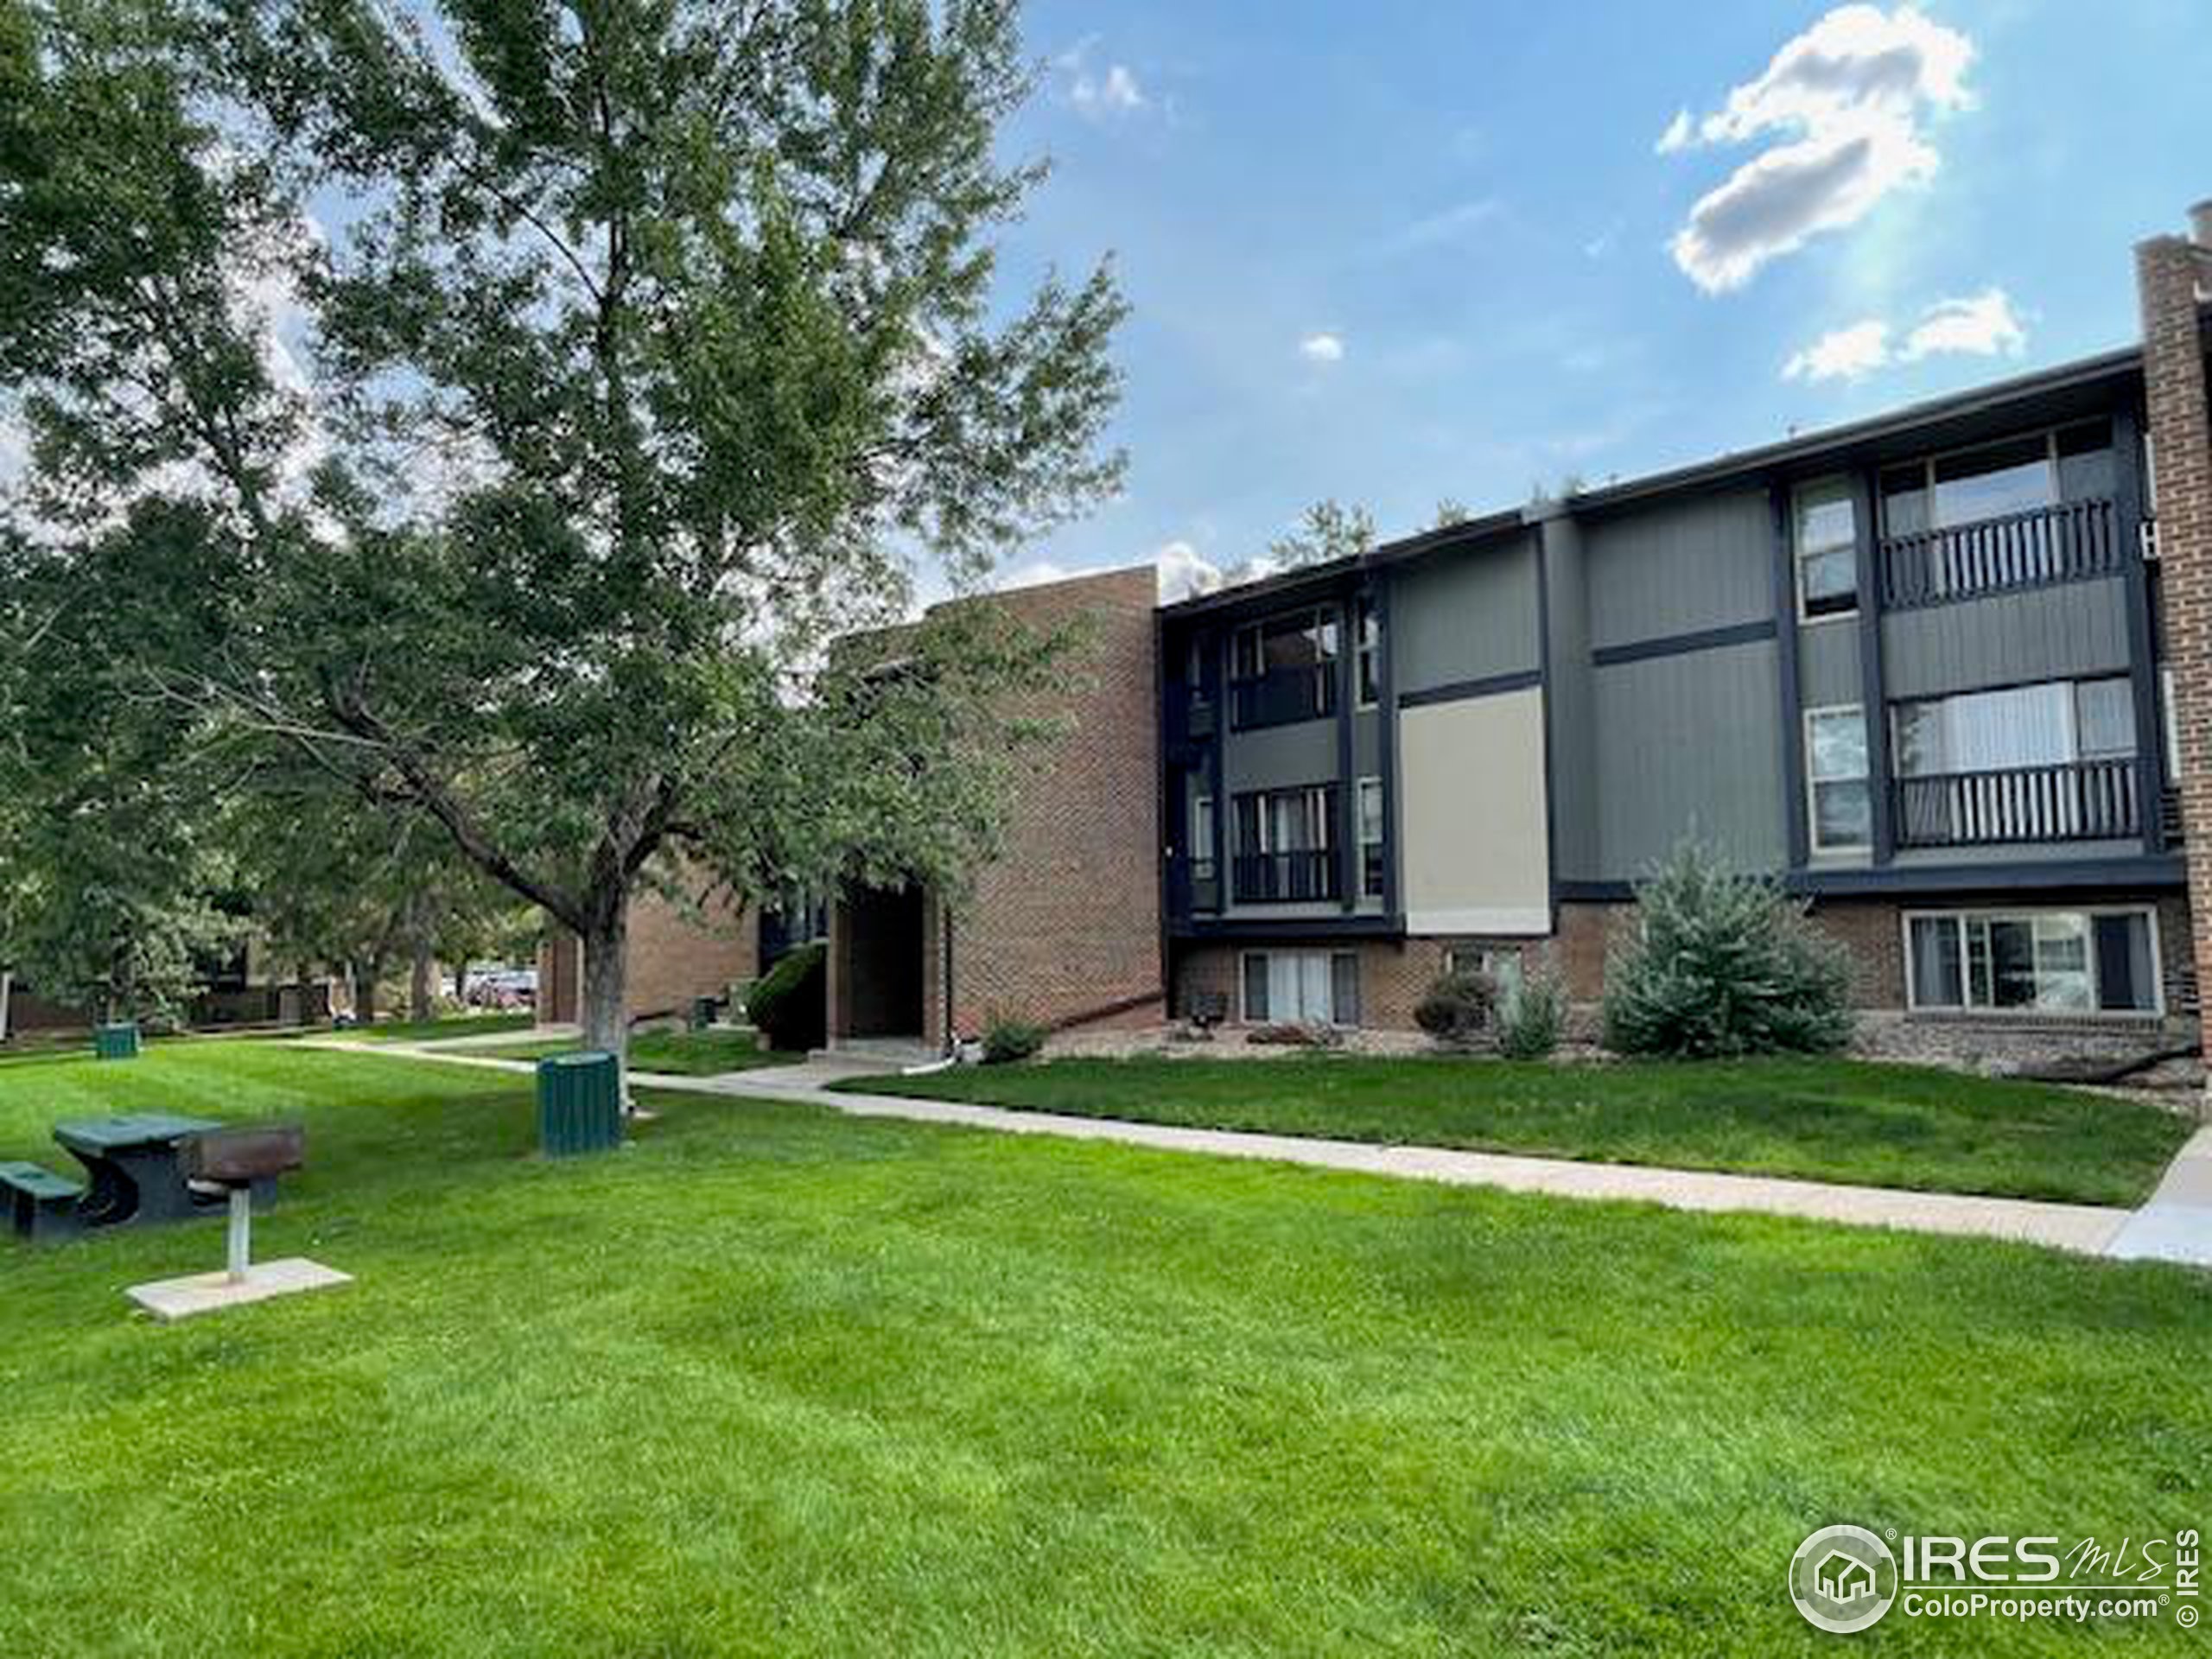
(647, 348)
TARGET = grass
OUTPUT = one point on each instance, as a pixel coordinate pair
(1819, 1119)
(775, 1381)
(687, 1053)
(453, 1025)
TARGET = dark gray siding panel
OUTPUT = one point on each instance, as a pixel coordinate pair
(1680, 568)
(1687, 745)
(2047, 634)
(1276, 757)
(1569, 705)
(1367, 744)
(1827, 664)
(1465, 616)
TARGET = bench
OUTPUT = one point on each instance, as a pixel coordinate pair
(41, 1204)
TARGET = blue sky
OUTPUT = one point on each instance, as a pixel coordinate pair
(1397, 252)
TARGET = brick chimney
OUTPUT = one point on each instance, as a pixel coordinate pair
(2171, 277)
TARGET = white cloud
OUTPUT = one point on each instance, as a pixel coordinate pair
(1038, 573)
(1843, 104)
(1983, 325)
(1979, 324)
(1099, 91)
(1322, 347)
(1842, 353)
(1185, 572)
(1448, 226)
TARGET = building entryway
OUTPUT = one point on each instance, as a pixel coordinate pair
(880, 935)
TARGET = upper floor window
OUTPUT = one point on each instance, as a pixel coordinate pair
(1285, 668)
(1994, 480)
(2053, 723)
(1371, 850)
(1366, 646)
(2053, 761)
(1285, 842)
(1842, 805)
(1827, 551)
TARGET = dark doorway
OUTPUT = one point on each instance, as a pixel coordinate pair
(884, 940)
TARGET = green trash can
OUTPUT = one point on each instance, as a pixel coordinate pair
(578, 1103)
(703, 1009)
(116, 1042)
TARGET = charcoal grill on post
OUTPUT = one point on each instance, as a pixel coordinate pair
(233, 1160)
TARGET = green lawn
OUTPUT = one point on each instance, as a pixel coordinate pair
(1828, 1120)
(775, 1381)
(687, 1053)
(456, 1025)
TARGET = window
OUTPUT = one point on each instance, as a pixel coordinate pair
(2052, 723)
(1285, 839)
(1842, 807)
(1827, 551)
(1501, 965)
(1995, 481)
(1285, 669)
(1371, 837)
(2044, 961)
(1201, 826)
(1366, 646)
(1304, 987)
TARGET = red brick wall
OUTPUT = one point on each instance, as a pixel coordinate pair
(1064, 927)
(677, 952)
(2181, 438)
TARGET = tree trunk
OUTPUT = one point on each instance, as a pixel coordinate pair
(421, 984)
(6, 992)
(606, 976)
(366, 974)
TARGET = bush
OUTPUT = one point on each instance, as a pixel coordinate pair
(790, 1003)
(1531, 1020)
(1722, 965)
(1457, 1007)
(1008, 1040)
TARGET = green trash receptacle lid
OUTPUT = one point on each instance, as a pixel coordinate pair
(581, 1056)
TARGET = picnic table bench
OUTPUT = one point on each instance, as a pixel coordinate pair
(141, 1166)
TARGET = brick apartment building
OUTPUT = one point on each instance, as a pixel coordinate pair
(1946, 672)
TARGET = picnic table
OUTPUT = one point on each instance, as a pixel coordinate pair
(134, 1163)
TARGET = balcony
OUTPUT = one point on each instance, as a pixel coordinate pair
(1283, 694)
(1193, 887)
(2072, 541)
(2084, 800)
(1287, 878)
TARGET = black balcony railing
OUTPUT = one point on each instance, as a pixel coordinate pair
(1193, 887)
(1283, 694)
(2085, 800)
(1266, 878)
(2069, 542)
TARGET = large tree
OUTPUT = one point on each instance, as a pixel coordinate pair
(650, 343)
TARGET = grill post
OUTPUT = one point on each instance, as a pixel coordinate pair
(241, 1234)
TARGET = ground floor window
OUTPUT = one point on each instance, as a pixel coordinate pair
(1501, 965)
(1304, 987)
(2038, 961)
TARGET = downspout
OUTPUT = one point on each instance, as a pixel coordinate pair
(951, 1044)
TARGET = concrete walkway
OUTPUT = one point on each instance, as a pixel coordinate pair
(2175, 1226)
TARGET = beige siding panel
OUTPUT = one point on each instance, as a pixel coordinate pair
(1474, 816)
